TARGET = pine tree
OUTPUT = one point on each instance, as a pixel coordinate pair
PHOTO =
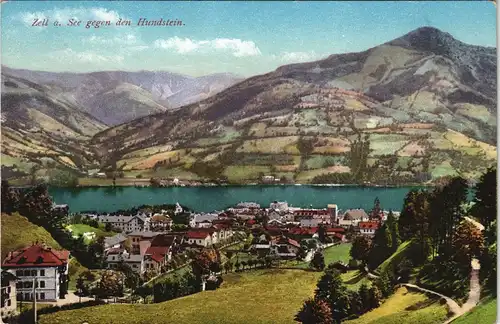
(364, 294)
(393, 227)
(375, 297)
(485, 203)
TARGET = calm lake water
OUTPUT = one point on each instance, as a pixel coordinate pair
(206, 199)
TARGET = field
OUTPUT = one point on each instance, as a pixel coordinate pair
(332, 254)
(484, 313)
(264, 296)
(386, 144)
(80, 229)
(275, 145)
(405, 307)
(18, 231)
(245, 172)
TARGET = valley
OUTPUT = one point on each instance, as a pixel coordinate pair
(410, 111)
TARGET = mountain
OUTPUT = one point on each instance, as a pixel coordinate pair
(42, 129)
(411, 110)
(114, 97)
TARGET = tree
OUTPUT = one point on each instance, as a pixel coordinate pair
(314, 311)
(10, 198)
(96, 250)
(381, 246)
(375, 297)
(318, 261)
(108, 227)
(393, 227)
(485, 203)
(62, 178)
(384, 284)
(36, 205)
(468, 242)
(447, 209)
(205, 262)
(131, 279)
(322, 233)
(364, 294)
(110, 285)
(80, 287)
(360, 248)
(415, 207)
(332, 289)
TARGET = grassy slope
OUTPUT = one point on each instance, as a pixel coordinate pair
(484, 313)
(267, 296)
(395, 257)
(19, 232)
(332, 254)
(395, 310)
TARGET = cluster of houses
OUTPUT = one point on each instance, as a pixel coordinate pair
(149, 251)
(147, 241)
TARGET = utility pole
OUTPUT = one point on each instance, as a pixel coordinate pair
(34, 301)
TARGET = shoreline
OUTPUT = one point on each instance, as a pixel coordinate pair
(209, 185)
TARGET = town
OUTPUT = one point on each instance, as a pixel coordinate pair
(153, 241)
(56, 260)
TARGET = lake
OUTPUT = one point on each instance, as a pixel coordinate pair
(207, 199)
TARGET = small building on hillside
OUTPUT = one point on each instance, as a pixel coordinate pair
(47, 265)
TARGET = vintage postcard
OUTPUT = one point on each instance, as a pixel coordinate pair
(236, 162)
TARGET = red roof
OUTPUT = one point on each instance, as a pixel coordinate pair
(251, 221)
(36, 256)
(369, 225)
(286, 240)
(197, 235)
(335, 230)
(303, 230)
(157, 252)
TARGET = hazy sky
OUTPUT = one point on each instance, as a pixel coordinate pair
(243, 38)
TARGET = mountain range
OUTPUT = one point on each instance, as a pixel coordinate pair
(115, 97)
(408, 111)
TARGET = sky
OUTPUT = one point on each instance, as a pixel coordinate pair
(244, 38)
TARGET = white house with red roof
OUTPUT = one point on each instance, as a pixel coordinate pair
(202, 238)
(368, 228)
(47, 265)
